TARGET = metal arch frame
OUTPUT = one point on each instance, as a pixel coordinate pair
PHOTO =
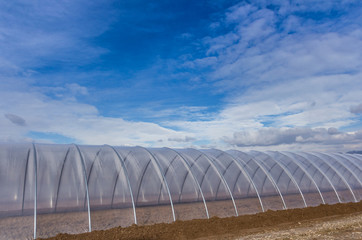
(183, 183)
(269, 177)
(306, 173)
(86, 186)
(358, 157)
(91, 168)
(204, 174)
(128, 182)
(342, 169)
(142, 175)
(345, 166)
(164, 179)
(255, 173)
(247, 176)
(348, 158)
(223, 179)
(60, 179)
(292, 173)
(218, 186)
(291, 178)
(141, 180)
(329, 169)
(236, 180)
(338, 173)
(224, 171)
(115, 183)
(318, 168)
(194, 177)
(275, 164)
(36, 187)
(280, 175)
(339, 160)
(168, 167)
(25, 176)
(266, 175)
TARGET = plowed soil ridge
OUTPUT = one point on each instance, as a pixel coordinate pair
(213, 227)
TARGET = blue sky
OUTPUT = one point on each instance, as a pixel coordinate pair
(282, 75)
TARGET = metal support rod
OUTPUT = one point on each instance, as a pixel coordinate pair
(345, 166)
(86, 186)
(349, 159)
(36, 188)
(270, 179)
(24, 184)
(196, 182)
(223, 173)
(223, 179)
(187, 173)
(291, 178)
(141, 180)
(166, 171)
(325, 176)
(338, 173)
(60, 179)
(238, 163)
(128, 182)
(306, 173)
(164, 180)
(90, 173)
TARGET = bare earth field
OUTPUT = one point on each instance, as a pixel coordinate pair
(338, 221)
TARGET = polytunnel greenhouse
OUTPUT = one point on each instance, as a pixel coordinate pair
(48, 189)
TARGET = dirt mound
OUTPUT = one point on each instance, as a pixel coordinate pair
(232, 226)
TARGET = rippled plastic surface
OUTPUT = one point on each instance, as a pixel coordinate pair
(48, 189)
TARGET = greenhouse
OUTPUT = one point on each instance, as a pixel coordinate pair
(48, 189)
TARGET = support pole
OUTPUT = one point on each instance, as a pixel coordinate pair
(36, 188)
(164, 180)
(128, 182)
(86, 186)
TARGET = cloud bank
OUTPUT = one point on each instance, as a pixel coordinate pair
(288, 76)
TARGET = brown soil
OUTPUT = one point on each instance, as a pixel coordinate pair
(231, 227)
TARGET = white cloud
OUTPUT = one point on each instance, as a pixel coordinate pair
(274, 136)
(68, 117)
(291, 84)
(276, 80)
(71, 119)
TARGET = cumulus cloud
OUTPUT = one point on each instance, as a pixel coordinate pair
(357, 109)
(274, 137)
(69, 118)
(17, 120)
(268, 46)
(185, 139)
(75, 89)
(287, 81)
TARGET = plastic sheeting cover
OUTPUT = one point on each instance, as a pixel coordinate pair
(47, 189)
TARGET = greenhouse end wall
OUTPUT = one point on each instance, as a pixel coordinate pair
(48, 189)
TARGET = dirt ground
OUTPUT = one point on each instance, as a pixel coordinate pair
(338, 221)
